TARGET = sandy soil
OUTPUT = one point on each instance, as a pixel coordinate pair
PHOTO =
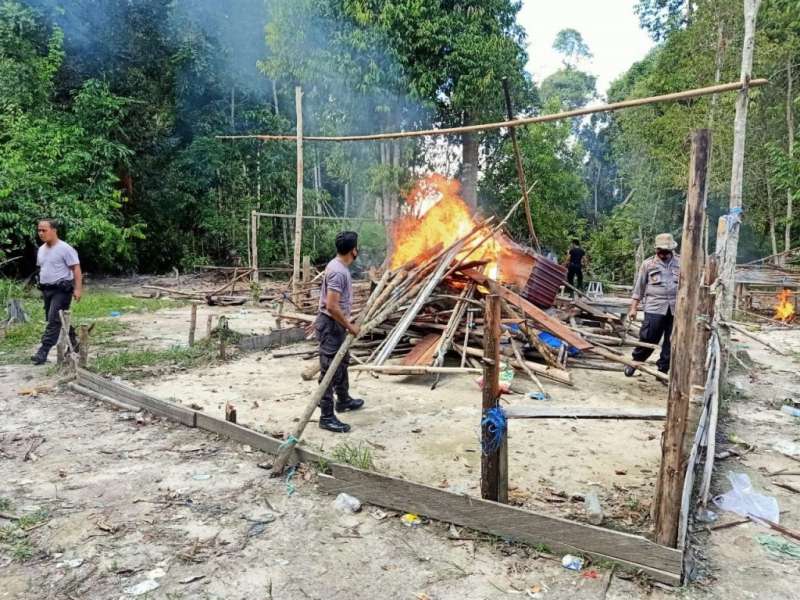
(131, 500)
(149, 479)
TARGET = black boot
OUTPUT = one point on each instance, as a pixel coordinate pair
(349, 404)
(629, 371)
(39, 358)
(331, 423)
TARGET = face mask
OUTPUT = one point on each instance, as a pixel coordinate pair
(664, 254)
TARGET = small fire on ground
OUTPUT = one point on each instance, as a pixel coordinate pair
(784, 309)
(436, 214)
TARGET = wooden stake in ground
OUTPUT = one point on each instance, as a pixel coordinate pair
(208, 325)
(64, 345)
(254, 245)
(192, 324)
(222, 330)
(670, 483)
(298, 216)
(727, 265)
(83, 346)
(494, 466)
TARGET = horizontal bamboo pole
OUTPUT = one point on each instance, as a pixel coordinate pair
(684, 95)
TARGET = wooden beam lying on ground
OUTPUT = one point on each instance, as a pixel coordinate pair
(274, 339)
(536, 412)
(412, 369)
(634, 552)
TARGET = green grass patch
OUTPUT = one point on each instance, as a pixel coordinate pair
(357, 455)
(14, 539)
(131, 362)
(5, 504)
(95, 307)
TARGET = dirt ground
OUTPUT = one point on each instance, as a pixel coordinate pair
(125, 497)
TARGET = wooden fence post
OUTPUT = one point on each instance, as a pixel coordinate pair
(494, 466)
(669, 488)
(192, 324)
(62, 345)
(298, 217)
(254, 244)
(83, 346)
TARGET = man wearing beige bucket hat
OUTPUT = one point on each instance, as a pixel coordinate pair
(656, 288)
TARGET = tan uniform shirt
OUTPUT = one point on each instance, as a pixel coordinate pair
(657, 284)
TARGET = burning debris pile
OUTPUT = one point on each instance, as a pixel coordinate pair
(426, 313)
(784, 309)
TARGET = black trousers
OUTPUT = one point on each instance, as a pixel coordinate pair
(574, 272)
(57, 297)
(330, 336)
(653, 328)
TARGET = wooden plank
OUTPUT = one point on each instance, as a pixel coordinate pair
(274, 339)
(412, 369)
(425, 347)
(634, 552)
(535, 412)
(554, 326)
(252, 438)
(129, 395)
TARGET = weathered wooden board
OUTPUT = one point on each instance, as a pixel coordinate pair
(422, 352)
(254, 439)
(545, 412)
(275, 339)
(554, 326)
(634, 552)
(129, 395)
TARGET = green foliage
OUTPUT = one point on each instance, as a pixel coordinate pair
(357, 455)
(96, 307)
(130, 363)
(570, 45)
(57, 161)
(569, 87)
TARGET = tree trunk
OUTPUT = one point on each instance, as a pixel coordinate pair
(787, 236)
(275, 96)
(771, 218)
(469, 170)
(298, 219)
(727, 252)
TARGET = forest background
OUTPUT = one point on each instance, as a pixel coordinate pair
(109, 111)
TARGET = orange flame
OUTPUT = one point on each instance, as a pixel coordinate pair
(436, 214)
(784, 310)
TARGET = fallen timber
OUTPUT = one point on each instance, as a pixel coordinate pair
(631, 552)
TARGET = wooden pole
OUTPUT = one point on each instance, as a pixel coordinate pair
(298, 216)
(209, 320)
(83, 346)
(520, 169)
(675, 96)
(222, 329)
(63, 345)
(723, 309)
(192, 324)
(705, 316)
(494, 466)
(306, 268)
(669, 488)
(254, 244)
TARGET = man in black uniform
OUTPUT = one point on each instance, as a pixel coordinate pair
(576, 258)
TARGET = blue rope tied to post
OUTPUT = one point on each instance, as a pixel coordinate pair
(289, 485)
(290, 441)
(495, 424)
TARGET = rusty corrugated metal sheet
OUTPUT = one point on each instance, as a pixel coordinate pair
(544, 281)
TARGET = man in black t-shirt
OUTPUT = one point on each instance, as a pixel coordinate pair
(576, 258)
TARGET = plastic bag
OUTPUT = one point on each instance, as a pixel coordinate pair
(745, 501)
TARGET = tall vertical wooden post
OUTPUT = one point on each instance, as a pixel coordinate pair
(298, 217)
(670, 480)
(254, 245)
(306, 268)
(192, 324)
(494, 467)
(727, 262)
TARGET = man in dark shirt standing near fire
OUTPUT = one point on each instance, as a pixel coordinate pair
(332, 325)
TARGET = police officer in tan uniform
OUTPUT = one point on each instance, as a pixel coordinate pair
(656, 289)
